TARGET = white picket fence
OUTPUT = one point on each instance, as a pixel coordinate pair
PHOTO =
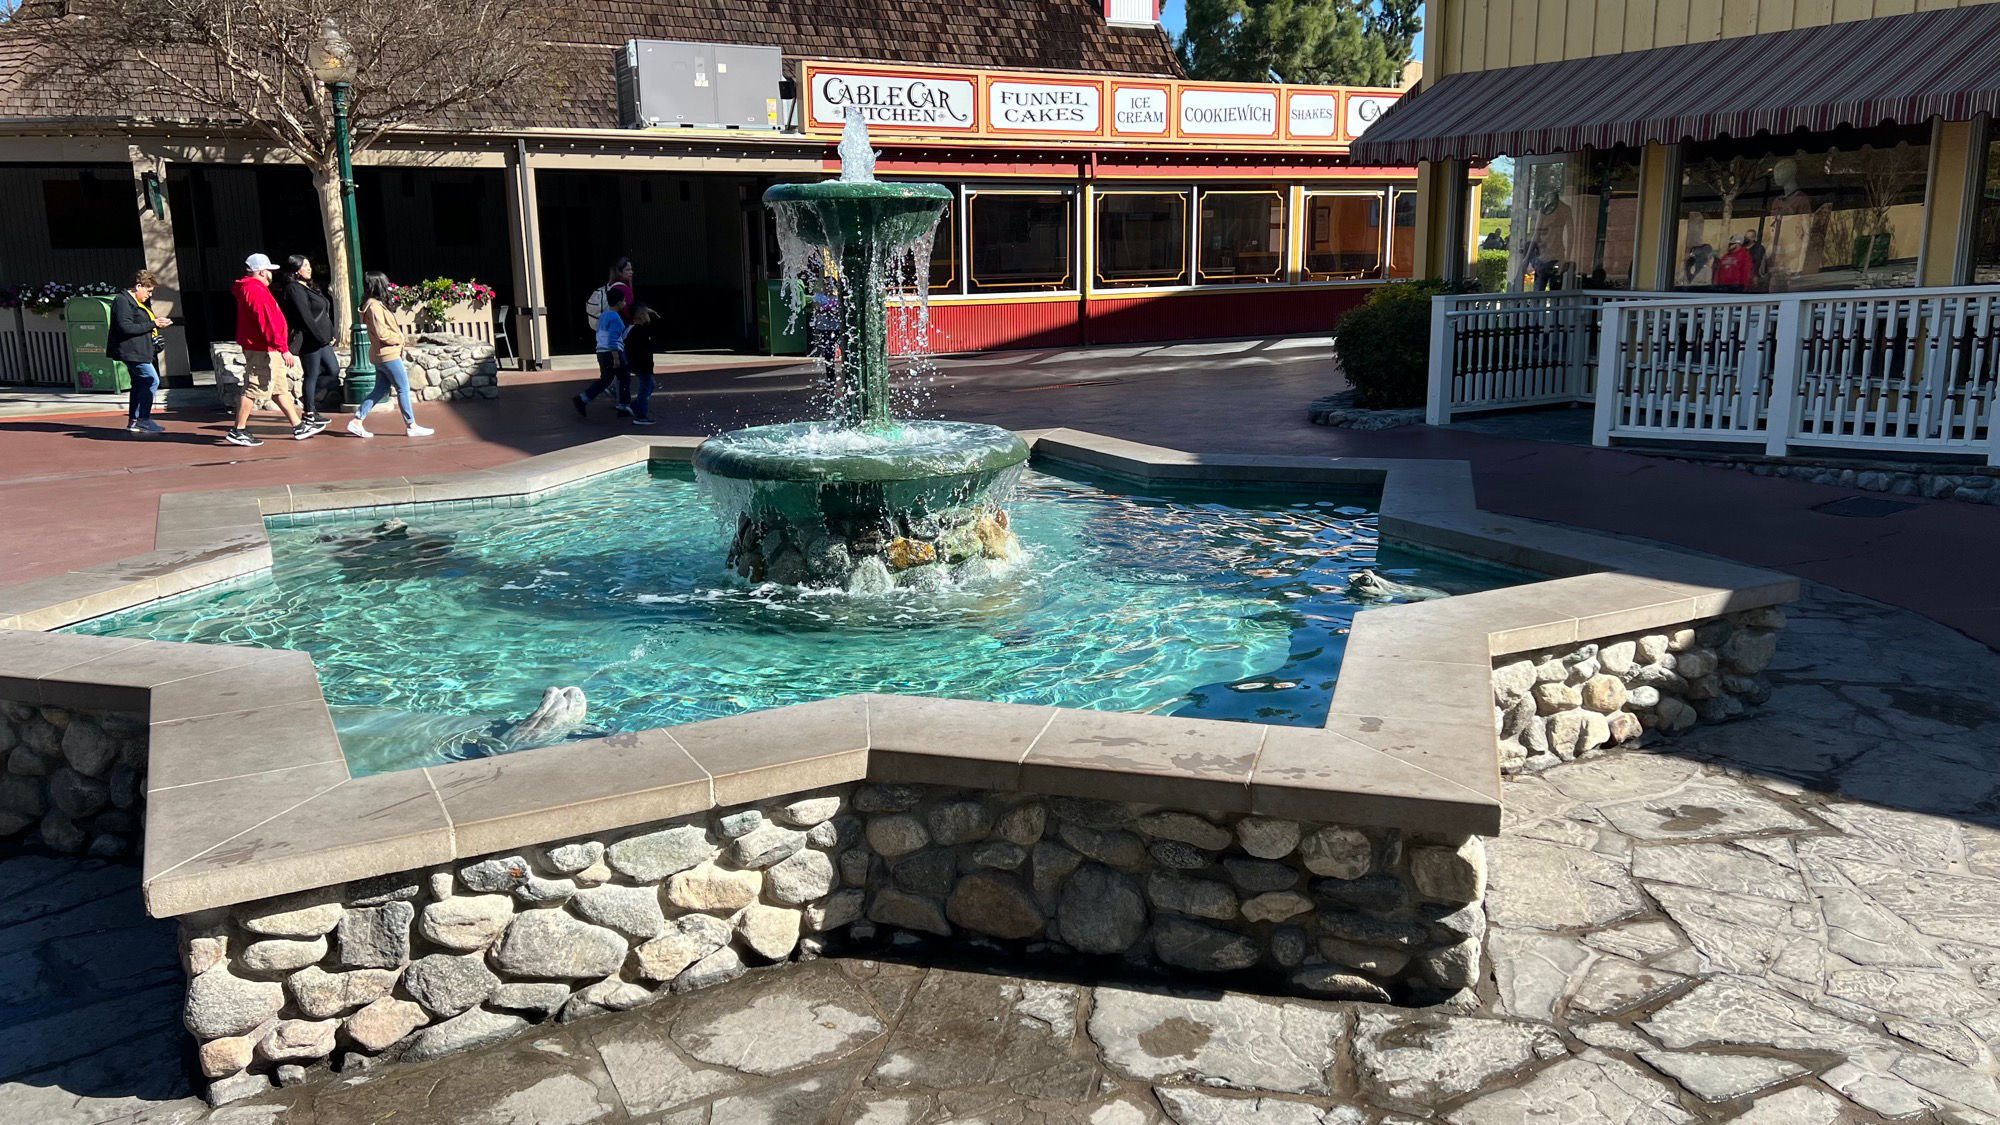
(1495, 351)
(1903, 370)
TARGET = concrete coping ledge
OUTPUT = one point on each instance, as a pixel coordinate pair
(248, 795)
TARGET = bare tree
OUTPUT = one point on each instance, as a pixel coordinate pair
(251, 64)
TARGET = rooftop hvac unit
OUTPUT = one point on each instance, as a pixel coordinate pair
(667, 84)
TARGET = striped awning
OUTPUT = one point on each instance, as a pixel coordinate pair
(1900, 69)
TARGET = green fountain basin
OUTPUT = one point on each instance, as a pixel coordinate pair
(840, 213)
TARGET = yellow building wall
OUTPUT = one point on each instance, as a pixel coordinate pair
(1491, 34)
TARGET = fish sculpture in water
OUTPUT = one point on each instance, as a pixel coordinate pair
(559, 716)
(1373, 587)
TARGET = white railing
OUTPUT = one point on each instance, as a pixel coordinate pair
(1910, 370)
(34, 350)
(1494, 351)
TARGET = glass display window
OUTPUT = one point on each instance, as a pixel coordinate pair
(1142, 238)
(1021, 240)
(1575, 221)
(1344, 235)
(1243, 236)
(1986, 216)
(1839, 210)
(1403, 233)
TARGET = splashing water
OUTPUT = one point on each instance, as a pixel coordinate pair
(857, 158)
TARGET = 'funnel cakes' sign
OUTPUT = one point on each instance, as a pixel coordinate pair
(925, 101)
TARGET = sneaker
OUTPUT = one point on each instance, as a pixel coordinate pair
(136, 427)
(242, 437)
(304, 430)
(419, 431)
(317, 418)
(152, 427)
(643, 422)
(624, 411)
(582, 405)
(355, 427)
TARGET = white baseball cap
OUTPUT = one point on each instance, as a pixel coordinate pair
(256, 262)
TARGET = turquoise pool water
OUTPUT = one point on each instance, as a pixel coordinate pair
(430, 639)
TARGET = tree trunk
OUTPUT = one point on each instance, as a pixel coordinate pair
(326, 183)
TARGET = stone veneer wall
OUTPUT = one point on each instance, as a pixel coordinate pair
(440, 364)
(1551, 707)
(73, 780)
(420, 964)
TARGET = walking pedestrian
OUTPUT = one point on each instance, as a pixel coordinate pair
(640, 344)
(309, 313)
(619, 277)
(385, 348)
(135, 341)
(610, 353)
(264, 337)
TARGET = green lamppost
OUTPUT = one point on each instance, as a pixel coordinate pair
(337, 71)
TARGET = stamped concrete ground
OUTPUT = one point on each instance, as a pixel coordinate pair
(1792, 919)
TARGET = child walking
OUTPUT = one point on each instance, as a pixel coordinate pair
(385, 348)
(610, 352)
(640, 344)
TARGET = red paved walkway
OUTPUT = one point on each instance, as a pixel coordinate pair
(77, 490)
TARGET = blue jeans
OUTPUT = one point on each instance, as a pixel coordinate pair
(642, 402)
(390, 376)
(610, 370)
(314, 366)
(145, 383)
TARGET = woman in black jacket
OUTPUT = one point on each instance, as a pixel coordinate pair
(309, 314)
(135, 341)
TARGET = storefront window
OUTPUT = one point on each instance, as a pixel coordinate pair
(1986, 231)
(1021, 240)
(944, 252)
(1403, 235)
(1142, 238)
(1822, 211)
(1575, 221)
(1242, 237)
(1344, 236)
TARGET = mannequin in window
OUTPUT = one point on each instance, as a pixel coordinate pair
(1797, 231)
(1548, 247)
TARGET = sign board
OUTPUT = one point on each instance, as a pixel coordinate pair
(1363, 109)
(1044, 107)
(900, 100)
(889, 102)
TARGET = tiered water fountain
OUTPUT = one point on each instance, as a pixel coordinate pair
(864, 500)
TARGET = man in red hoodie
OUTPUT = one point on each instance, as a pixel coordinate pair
(262, 334)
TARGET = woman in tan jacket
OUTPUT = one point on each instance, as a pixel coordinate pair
(385, 348)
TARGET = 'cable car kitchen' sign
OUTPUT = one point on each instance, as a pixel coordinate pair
(931, 102)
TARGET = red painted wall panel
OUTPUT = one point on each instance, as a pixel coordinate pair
(1138, 319)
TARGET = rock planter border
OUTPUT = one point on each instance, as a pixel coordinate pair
(441, 365)
(72, 781)
(422, 963)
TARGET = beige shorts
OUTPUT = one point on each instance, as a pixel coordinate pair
(260, 375)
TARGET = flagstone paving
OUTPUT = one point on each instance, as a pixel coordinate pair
(1791, 919)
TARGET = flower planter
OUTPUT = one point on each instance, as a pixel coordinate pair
(34, 349)
(462, 319)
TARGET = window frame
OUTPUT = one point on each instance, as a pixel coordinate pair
(1072, 283)
(1381, 196)
(1286, 268)
(1185, 194)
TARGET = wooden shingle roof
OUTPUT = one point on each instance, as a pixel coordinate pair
(1024, 34)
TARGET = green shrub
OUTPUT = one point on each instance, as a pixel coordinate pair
(1384, 345)
(1492, 271)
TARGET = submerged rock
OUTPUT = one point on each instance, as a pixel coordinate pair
(560, 714)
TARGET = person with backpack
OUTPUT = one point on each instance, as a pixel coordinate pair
(135, 341)
(620, 277)
(610, 352)
(309, 313)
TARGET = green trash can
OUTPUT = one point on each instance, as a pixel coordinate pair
(89, 330)
(776, 330)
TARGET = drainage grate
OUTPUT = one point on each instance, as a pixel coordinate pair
(1863, 507)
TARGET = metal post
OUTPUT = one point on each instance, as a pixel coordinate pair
(360, 369)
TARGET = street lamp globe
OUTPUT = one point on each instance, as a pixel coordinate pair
(331, 61)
